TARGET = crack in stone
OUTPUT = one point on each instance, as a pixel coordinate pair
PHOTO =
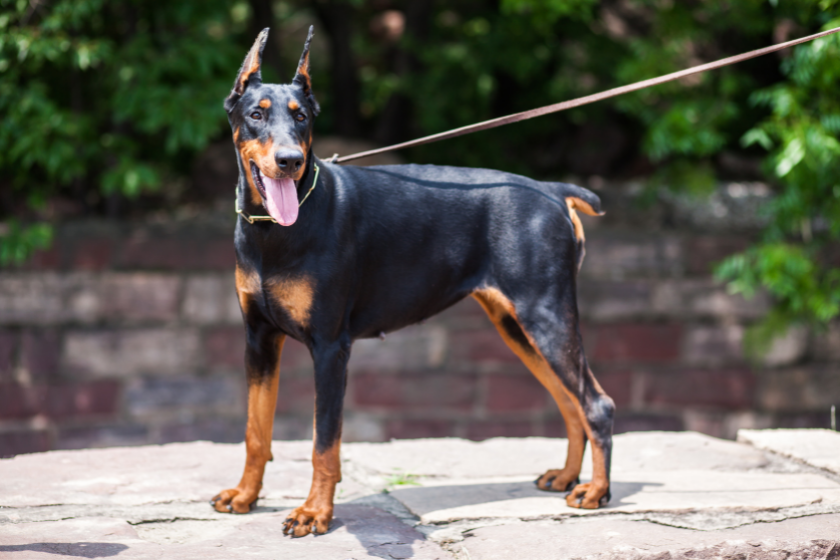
(168, 520)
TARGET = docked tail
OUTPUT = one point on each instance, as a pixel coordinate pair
(582, 199)
(578, 198)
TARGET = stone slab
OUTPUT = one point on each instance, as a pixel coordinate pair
(815, 447)
(621, 539)
(682, 493)
(359, 532)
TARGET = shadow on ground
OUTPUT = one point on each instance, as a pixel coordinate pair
(78, 550)
(422, 500)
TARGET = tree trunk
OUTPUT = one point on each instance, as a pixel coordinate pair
(336, 17)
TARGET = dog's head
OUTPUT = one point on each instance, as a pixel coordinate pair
(272, 131)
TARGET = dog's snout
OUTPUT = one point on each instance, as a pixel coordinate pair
(289, 160)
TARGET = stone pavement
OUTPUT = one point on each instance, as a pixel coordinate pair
(774, 494)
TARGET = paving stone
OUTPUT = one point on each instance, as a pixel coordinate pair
(675, 495)
(493, 479)
(818, 448)
(622, 539)
(361, 532)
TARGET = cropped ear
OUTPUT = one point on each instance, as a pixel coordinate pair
(249, 73)
(302, 77)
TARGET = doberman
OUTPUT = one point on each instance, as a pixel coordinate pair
(352, 252)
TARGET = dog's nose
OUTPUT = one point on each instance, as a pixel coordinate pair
(289, 160)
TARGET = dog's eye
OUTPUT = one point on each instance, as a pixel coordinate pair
(256, 115)
(300, 117)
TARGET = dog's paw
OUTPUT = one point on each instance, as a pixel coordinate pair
(556, 480)
(305, 520)
(234, 500)
(588, 496)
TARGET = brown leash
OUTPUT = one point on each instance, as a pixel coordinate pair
(585, 100)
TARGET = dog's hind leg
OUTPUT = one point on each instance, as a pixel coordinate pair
(262, 360)
(586, 409)
(315, 515)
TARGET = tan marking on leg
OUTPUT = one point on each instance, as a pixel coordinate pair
(497, 306)
(247, 286)
(295, 295)
(262, 401)
(293, 105)
(316, 512)
(265, 103)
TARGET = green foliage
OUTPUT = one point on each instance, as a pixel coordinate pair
(114, 99)
(801, 136)
(18, 242)
(106, 97)
(804, 290)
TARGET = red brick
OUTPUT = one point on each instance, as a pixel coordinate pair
(628, 343)
(224, 348)
(66, 400)
(99, 435)
(413, 429)
(219, 430)
(8, 345)
(178, 253)
(19, 402)
(92, 254)
(48, 259)
(94, 398)
(617, 384)
(295, 356)
(647, 422)
(555, 427)
(484, 346)
(296, 395)
(480, 430)
(515, 393)
(704, 252)
(734, 388)
(424, 391)
(41, 353)
(29, 441)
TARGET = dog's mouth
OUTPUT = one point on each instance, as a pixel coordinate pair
(279, 196)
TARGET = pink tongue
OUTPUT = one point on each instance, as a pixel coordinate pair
(282, 200)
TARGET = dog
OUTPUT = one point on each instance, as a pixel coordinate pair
(353, 252)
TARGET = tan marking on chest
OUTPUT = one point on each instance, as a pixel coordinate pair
(295, 295)
(247, 287)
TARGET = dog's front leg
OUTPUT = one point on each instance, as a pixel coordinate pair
(262, 361)
(315, 514)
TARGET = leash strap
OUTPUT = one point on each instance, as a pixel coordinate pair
(251, 219)
(585, 100)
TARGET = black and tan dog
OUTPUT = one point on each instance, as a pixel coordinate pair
(352, 252)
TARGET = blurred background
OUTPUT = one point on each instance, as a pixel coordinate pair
(709, 291)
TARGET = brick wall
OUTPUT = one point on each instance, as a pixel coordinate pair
(126, 335)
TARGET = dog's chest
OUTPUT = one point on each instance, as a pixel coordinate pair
(292, 295)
